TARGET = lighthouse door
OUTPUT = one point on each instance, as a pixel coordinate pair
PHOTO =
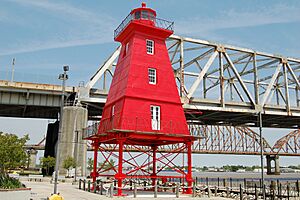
(155, 117)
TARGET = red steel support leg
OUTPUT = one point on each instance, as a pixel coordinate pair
(95, 173)
(120, 175)
(154, 149)
(189, 177)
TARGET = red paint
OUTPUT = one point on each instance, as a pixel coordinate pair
(126, 117)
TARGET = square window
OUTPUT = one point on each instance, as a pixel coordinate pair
(152, 76)
(150, 46)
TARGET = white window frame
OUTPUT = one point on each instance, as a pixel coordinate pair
(152, 78)
(126, 47)
(113, 110)
(155, 117)
(150, 47)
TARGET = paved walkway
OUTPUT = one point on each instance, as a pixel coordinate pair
(42, 190)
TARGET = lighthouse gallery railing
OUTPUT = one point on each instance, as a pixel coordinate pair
(159, 23)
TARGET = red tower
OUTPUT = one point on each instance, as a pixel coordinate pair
(143, 107)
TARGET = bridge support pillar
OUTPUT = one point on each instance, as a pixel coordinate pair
(275, 168)
(71, 143)
(32, 158)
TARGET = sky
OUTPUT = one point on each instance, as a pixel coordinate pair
(45, 35)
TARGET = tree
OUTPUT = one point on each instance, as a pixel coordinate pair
(107, 165)
(68, 163)
(90, 164)
(47, 163)
(12, 154)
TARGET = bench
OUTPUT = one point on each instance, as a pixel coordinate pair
(59, 179)
(16, 176)
(32, 177)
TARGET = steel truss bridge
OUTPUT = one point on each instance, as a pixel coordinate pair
(215, 139)
(222, 88)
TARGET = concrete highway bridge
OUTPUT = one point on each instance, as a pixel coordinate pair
(223, 90)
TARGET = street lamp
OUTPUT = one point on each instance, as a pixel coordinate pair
(63, 77)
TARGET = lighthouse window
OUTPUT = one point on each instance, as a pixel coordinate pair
(144, 14)
(152, 76)
(137, 15)
(150, 46)
(151, 16)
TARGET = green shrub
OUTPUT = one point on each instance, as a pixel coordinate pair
(7, 182)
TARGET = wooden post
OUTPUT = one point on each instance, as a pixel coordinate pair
(134, 190)
(95, 187)
(101, 187)
(298, 188)
(227, 192)
(111, 193)
(84, 184)
(278, 187)
(194, 190)
(288, 191)
(89, 185)
(230, 183)
(216, 191)
(218, 182)
(208, 191)
(155, 189)
(280, 191)
(79, 184)
(241, 192)
(130, 184)
(177, 190)
(256, 192)
(264, 192)
(207, 181)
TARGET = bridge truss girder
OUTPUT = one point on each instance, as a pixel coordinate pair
(230, 85)
(214, 139)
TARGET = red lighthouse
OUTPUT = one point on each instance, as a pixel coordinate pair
(143, 107)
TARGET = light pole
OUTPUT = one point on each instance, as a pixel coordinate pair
(76, 154)
(62, 77)
(261, 153)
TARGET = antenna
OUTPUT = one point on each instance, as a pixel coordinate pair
(13, 69)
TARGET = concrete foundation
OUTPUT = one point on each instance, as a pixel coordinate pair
(273, 169)
(71, 143)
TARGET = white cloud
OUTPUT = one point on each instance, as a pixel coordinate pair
(80, 27)
(279, 13)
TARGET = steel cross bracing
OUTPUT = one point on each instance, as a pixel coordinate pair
(230, 85)
(213, 139)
